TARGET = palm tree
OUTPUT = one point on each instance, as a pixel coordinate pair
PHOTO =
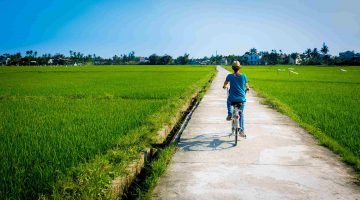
(324, 49)
(253, 51)
(29, 53)
(308, 53)
(315, 53)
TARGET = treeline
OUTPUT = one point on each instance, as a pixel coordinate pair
(77, 58)
(313, 56)
(168, 60)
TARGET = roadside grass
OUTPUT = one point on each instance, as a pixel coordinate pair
(151, 174)
(323, 100)
(67, 132)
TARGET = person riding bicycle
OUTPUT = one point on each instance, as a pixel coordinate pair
(237, 92)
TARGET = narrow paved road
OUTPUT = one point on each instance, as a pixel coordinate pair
(278, 160)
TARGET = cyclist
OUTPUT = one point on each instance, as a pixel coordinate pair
(238, 88)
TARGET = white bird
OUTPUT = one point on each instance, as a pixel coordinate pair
(343, 70)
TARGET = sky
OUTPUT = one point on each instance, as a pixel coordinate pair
(174, 27)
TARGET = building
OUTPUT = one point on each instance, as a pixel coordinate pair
(143, 60)
(194, 62)
(252, 58)
(224, 61)
(296, 61)
(78, 64)
(205, 62)
(59, 61)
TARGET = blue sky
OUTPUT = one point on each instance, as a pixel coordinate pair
(197, 27)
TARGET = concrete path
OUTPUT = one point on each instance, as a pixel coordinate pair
(278, 160)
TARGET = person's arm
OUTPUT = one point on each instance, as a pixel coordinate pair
(247, 84)
(225, 83)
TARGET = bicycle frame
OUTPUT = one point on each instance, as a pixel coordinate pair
(235, 117)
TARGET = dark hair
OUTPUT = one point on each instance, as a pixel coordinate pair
(236, 68)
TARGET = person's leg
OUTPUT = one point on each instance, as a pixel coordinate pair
(229, 108)
(242, 117)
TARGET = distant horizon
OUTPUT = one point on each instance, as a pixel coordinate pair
(199, 28)
(39, 54)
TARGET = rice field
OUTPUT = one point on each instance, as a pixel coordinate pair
(54, 119)
(322, 98)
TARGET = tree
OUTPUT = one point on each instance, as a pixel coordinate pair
(15, 59)
(88, 59)
(315, 53)
(28, 58)
(294, 55)
(253, 51)
(314, 58)
(215, 60)
(154, 59)
(308, 53)
(182, 60)
(326, 58)
(283, 58)
(324, 49)
(116, 60)
(29, 53)
(124, 58)
(131, 56)
(272, 58)
(232, 58)
(165, 60)
(261, 53)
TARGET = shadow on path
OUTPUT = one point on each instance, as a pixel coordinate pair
(208, 142)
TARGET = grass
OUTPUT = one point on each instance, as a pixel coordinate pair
(66, 132)
(151, 174)
(324, 100)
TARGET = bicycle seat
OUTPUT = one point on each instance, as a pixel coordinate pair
(237, 104)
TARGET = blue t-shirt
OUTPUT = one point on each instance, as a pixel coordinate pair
(237, 87)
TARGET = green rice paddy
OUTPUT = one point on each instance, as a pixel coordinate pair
(57, 122)
(325, 100)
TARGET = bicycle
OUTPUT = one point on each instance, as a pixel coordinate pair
(235, 121)
(236, 128)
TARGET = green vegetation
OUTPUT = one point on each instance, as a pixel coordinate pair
(145, 185)
(66, 132)
(324, 100)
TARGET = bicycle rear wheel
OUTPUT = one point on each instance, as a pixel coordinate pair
(236, 135)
